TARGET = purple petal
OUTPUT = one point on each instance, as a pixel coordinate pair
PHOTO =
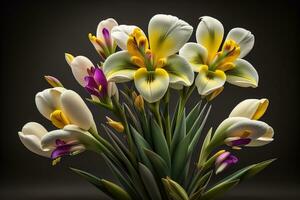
(100, 78)
(231, 160)
(105, 33)
(61, 151)
(59, 142)
(220, 159)
(241, 142)
(90, 82)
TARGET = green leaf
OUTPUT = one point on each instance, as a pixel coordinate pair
(116, 191)
(200, 183)
(219, 189)
(141, 144)
(123, 178)
(134, 120)
(108, 188)
(150, 183)
(192, 116)
(160, 166)
(248, 171)
(174, 190)
(179, 158)
(179, 132)
(204, 153)
(196, 135)
(160, 143)
(89, 177)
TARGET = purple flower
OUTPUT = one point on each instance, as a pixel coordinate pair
(224, 161)
(96, 83)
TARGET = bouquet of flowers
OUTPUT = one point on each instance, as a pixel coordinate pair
(151, 149)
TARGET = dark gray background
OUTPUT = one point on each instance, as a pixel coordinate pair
(36, 35)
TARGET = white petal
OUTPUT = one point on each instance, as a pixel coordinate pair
(243, 74)
(48, 100)
(195, 54)
(249, 108)
(179, 71)
(208, 81)
(76, 110)
(239, 126)
(119, 68)
(154, 89)
(209, 34)
(112, 90)
(263, 140)
(33, 128)
(244, 38)
(121, 33)
(167, 34)
(31, 135)
(79, 67)
(70, 133)
(108, 24)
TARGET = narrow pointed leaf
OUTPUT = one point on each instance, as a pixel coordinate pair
(219, 190)
(195, 136)
(158, 163)
(248, 171)
(180, 131)
(175, 190)
(203, 152)
(192, 116)
(160, 143)
(141, 144)
(116, 191)
(149, 182)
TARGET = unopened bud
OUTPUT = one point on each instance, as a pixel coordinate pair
(118, 126)
(54, 82)
(139, 103)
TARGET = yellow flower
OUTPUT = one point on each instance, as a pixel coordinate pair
(215, 66)
(153, 64)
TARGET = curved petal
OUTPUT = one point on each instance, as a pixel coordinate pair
(107, 24)
(48, 100)
(121, 33)
(243, 74)
(209, 34)
(33, 128)
(70, 133)
(112, 90)
(167, 34)
(33, 143)
(250, 108)
(195, 54)
(243, 38)
(263, 140)
(76, 110)
(208, 81)
(247, 128)
(119, 68)
(179, 70)
(151, 85)
(79, 66)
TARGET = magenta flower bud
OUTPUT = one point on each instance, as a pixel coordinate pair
(224, 161)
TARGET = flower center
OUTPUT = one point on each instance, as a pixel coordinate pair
(224, 59)
(141, 55)
(59, 119)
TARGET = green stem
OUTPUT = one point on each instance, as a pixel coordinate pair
(154, 107)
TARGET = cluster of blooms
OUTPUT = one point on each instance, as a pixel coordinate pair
(157, 149)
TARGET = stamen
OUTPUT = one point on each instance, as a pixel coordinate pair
(59, 119)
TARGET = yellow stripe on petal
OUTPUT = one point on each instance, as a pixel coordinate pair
(167, 34)
(209, 34)
(152, 85)
(208, 81)
(264, 103)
